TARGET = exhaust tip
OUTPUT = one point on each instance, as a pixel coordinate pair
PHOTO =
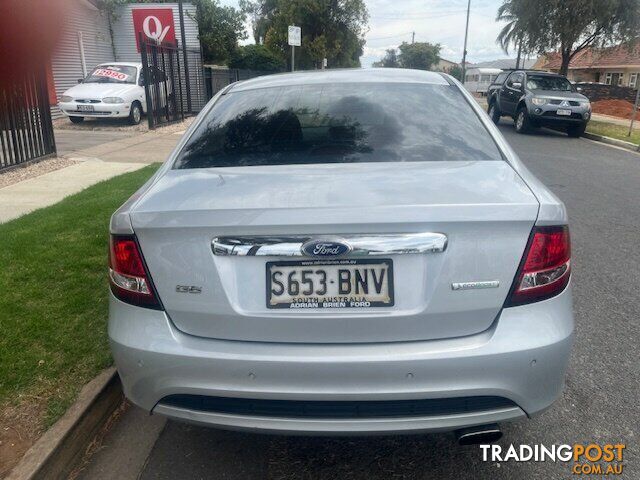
(481, 434)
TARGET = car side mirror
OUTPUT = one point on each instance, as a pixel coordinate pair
(80, 80)
(517, 85)
(141, 82)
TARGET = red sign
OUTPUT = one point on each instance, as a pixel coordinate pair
(156, 24)
(111, 73)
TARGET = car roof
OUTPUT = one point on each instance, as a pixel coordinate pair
(543, 73)
(353, 75)
(124, 64)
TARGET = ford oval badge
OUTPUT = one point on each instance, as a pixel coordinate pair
(325, 248)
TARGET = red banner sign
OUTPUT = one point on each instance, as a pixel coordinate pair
(156, 24)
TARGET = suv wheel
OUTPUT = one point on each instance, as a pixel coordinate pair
(576, 131)
(523, 124)
(494, 113)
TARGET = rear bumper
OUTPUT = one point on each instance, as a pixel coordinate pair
(522, 357)
(391, 425)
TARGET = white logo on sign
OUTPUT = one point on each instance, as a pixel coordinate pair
(159, 33)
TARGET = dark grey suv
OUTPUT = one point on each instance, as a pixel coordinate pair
(536, 99)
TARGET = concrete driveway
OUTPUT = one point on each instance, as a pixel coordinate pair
(70, 141)
(601, 188)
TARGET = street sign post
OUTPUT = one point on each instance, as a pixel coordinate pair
(295, 40)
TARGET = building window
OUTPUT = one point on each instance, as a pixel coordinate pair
(633, 80)
(613, 78)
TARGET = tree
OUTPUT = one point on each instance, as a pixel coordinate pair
(456, 72)
(569, 26)
(390, 59)
(514, 33)
(220, 29)
(419, 55)
(256, 57)
(331, 29)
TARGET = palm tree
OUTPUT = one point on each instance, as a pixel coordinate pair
(514, 33)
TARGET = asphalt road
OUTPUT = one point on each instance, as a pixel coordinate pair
(601, 188)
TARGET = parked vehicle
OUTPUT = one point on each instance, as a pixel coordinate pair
(535, 99)
(496, 85)
(319, 256)
(478, 79)
(111, 90)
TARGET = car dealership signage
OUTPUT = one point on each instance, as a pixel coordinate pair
(155, 24)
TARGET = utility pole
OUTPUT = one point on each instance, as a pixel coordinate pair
(464, 51)
(185, 59)
(413, 37)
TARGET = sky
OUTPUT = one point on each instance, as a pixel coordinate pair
(436, 21)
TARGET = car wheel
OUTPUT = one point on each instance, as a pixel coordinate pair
(494, 113)
(577, 131)
(75, 119)
(135, 115)
(523, 124)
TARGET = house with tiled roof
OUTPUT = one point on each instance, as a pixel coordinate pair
(619, 65)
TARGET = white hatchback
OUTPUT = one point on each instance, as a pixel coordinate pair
(111, 90)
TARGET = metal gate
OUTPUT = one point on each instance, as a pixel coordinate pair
(173, 81)
(26, 131)
(219, 78)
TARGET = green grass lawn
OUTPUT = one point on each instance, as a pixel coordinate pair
(53, 296)
(614, 131)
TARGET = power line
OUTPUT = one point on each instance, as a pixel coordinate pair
(419, 17)
(390, 36)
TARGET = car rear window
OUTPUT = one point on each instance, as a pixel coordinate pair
(338, 123)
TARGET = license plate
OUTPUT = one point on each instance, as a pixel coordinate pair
(322, 284)
(564, 112)
(85, 108)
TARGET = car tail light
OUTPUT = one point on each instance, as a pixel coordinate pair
(129, 277)
(545, 268)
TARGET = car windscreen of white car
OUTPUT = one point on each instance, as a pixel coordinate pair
(112, 74)
(339, 123)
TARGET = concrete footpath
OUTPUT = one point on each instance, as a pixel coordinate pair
(95, 163)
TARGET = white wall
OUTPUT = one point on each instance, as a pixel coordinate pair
(66, 64)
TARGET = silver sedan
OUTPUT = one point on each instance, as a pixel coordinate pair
(342, 252)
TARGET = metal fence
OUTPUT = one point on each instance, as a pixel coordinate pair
(26, 131)
(218, 78)
(173, 81)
